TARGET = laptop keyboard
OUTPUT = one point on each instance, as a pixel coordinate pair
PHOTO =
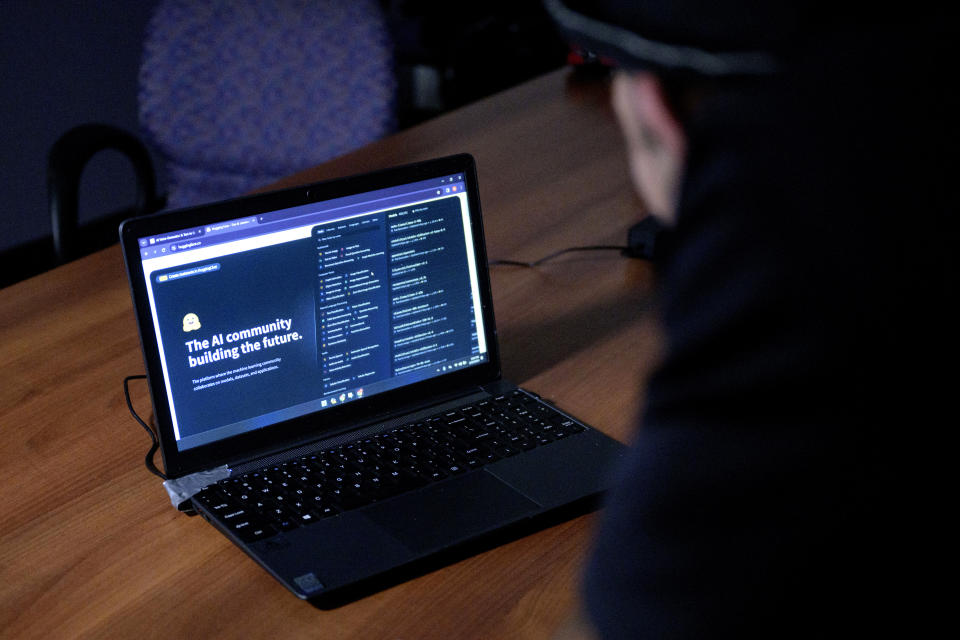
(262, 503)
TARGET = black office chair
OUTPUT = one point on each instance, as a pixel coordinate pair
(235, 94)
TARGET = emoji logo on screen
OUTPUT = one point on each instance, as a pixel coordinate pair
(191, 322)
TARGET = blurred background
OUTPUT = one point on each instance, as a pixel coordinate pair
(68, 63)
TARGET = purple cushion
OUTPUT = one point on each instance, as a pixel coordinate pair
(237, 93)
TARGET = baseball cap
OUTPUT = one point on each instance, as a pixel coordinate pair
(704, 37)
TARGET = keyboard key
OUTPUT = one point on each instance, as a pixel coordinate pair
(249, 528)
(213, 500)
(256, 532)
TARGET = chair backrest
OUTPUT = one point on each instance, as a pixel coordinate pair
(66, 162)
(237, 93)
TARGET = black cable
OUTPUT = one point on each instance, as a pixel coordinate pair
(537, 263)
(152, 468)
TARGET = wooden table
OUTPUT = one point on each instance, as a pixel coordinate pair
(89, 544)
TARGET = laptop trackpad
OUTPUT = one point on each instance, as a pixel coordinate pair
(443, 514)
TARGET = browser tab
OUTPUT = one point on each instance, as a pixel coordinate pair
(230, 225)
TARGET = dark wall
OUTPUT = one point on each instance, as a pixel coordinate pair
(64, 63)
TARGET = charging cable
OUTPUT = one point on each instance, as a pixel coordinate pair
(148, 460)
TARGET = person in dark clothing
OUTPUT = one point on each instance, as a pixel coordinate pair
(799, 154)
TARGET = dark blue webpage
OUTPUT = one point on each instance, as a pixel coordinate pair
(363, 305)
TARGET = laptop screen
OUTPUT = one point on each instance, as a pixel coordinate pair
(264, 318)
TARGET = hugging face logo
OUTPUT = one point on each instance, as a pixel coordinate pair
(191, 322)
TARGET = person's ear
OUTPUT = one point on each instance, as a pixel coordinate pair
(661, 125)
(656, 141)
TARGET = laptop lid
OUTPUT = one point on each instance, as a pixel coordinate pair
(281, 318)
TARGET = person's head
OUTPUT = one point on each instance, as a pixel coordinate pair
(668, 53)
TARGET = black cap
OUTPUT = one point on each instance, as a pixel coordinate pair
(705, 37)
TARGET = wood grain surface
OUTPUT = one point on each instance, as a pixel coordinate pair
(89, 544)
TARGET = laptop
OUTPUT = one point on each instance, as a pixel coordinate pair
(329, 353)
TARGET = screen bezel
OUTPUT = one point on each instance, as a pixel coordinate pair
(303, 429)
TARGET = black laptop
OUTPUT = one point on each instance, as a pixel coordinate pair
(330, 351)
